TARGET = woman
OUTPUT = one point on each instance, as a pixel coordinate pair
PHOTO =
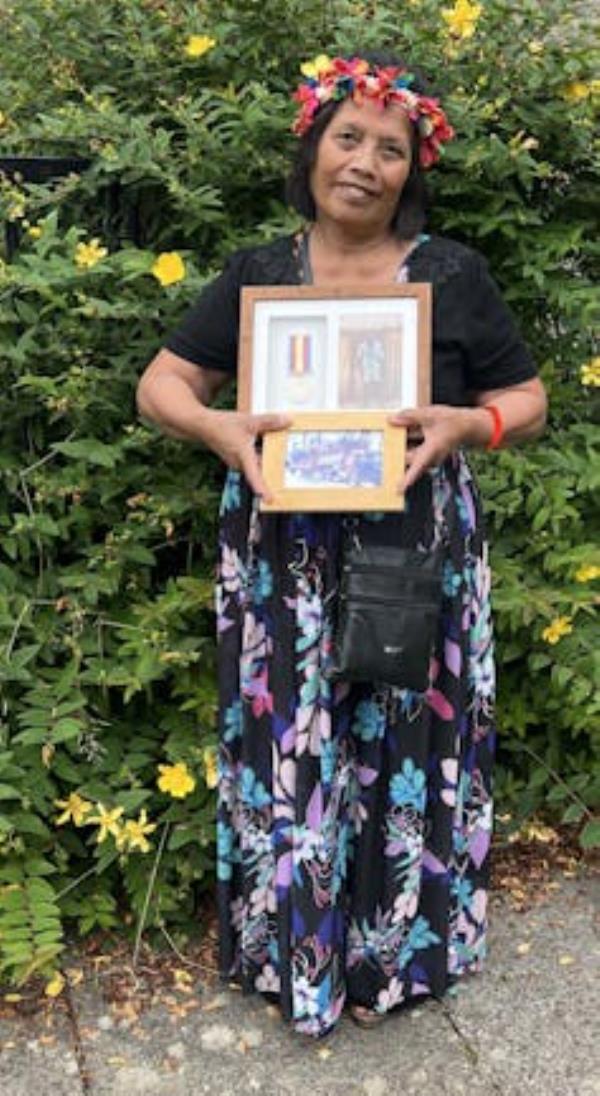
(354, 822)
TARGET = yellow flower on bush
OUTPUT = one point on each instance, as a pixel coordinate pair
(587, 572)
(108, 821)
(87, 255)
(74, 807)
(168, 268)
(199, 44)
(535, 46)
(590, 373)
(35, 231)
(559, 627)
(211, 772)
(313, 68)
(176, 780)
(133, 833)
(576, 91)
(462, 18)
(522, 143)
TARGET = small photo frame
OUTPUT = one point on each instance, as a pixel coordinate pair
(305, 349)
(347, 461)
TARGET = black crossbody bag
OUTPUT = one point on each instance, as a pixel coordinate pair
(387, 614)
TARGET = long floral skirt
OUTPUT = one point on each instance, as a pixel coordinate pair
(354, 822)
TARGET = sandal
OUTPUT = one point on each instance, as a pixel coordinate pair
(366, 1017)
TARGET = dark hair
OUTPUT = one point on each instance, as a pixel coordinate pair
(409, 218)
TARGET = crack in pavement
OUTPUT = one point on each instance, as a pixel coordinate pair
(78, 1048)
(470, 1051)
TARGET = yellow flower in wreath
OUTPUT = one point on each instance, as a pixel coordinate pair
(169, 268)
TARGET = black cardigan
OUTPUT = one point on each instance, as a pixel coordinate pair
(476, 345)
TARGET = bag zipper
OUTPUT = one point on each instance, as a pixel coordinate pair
(381, 568)
(371, 600)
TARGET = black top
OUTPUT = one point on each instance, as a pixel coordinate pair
(476, 345)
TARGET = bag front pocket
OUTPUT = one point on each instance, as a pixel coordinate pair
(388, 614)
(386, 641)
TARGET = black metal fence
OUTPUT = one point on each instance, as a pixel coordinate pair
(119, 222)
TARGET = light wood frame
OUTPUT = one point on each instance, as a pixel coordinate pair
(385, 496)
(261, 386)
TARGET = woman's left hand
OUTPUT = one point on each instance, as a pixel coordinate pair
(438, 430)
(433, 433)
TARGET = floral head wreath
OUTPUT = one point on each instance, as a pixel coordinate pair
(335, 78)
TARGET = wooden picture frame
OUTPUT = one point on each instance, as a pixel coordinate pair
(348, 461)
(305, 349)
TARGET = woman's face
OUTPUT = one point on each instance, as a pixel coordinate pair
(363, 161)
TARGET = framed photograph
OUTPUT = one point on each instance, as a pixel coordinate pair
(352, 460)
(304, 349)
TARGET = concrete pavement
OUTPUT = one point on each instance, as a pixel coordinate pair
(527, 1026)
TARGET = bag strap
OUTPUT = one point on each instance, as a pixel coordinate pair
(441, 523)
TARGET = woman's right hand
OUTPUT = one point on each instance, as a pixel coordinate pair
(232, 435)
(176, 395)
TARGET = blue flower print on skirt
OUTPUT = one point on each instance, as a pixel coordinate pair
(354, 822)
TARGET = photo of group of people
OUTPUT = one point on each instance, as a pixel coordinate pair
(334, 458)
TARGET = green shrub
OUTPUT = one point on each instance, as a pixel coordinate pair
(107, 530)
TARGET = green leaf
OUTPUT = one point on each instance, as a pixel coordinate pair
(589, 837)
(14, 932)
(133, 799)
(39, 890)
(66, 729)
(181, 836)
(7, 792)
(557, 794)
(36, 866)
(574, 813)
(25, 822)
(539, 778)
(90, 450)
(65, 768)
(14, 900)
(13, 955)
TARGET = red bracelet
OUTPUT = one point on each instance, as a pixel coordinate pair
(498, 429)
